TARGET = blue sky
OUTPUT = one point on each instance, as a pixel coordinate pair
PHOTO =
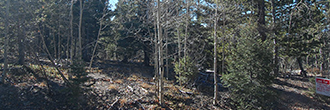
(113, 3)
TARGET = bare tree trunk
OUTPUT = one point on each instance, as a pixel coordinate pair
(166, 53)
(52, 59)
(179, 52)
(54, 43)
(322, 60)
(80, 23)
(4, 73)
(261, 20)
(97, 39)
(186, 36)
(156, 66)
(215, 54)
(223, 50)
(20, 44)
(59, 40)
(166, 40)
(98, 35)
(179, 49)
(276, 69)
(160, 56)
(307, 60)
(303, 72)
(71, 31)
(146, 56)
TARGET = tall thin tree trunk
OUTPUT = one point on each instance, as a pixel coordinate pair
(276, 69)
(98, 36)
(20, 44)
(166, 53)
(179, 49)
(186, 37)
(160, 56)
(156, 66)
(44, 45)
(307, 60)
(166, 41)
(322, 60)
(261, 20)
(4, 73)
(303, 72)
(80, 31)
(54, 42)
(146, 56)
(215, 54)
(71, 31)
(59, 40)
(223, 47)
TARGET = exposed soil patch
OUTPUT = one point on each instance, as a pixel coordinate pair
(294, 93)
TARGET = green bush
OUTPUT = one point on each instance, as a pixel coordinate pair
(77, 69)
(250, 66)
(188, 74)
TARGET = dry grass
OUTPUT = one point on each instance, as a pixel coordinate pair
(42, 84)
(171, 88)
(118, 81)
(146, 86)
(133, 78)
(112, 87)
(122, 101)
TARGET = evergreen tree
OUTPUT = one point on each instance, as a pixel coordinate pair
(302, 26)
(249, 73)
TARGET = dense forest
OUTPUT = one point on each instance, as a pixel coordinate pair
(156, 54)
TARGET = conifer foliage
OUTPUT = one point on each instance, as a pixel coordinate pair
(249, 66)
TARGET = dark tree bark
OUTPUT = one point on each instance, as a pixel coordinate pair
(80, 30)
(20, 45)
(303, 72)
(146, 57)
(4, 72)
(71, 31)
(276, 69)
(186, 36)
(261, 20)
(179, 49)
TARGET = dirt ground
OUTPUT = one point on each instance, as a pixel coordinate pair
(131, 86)
(295, 94)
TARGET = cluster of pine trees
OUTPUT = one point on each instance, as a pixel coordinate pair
(248, 42)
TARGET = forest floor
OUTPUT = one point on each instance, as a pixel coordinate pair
(114, 85)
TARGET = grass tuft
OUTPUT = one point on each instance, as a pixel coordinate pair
(112, 87)
(118, 81)
(122, 101)
(146, 86)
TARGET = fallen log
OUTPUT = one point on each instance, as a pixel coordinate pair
(189, 93)
(117, 99)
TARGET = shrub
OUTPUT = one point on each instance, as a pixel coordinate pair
(250, 66)
(188, 74)
(77, 69)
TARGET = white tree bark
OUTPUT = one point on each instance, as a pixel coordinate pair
(160, 56)
(215, 54)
